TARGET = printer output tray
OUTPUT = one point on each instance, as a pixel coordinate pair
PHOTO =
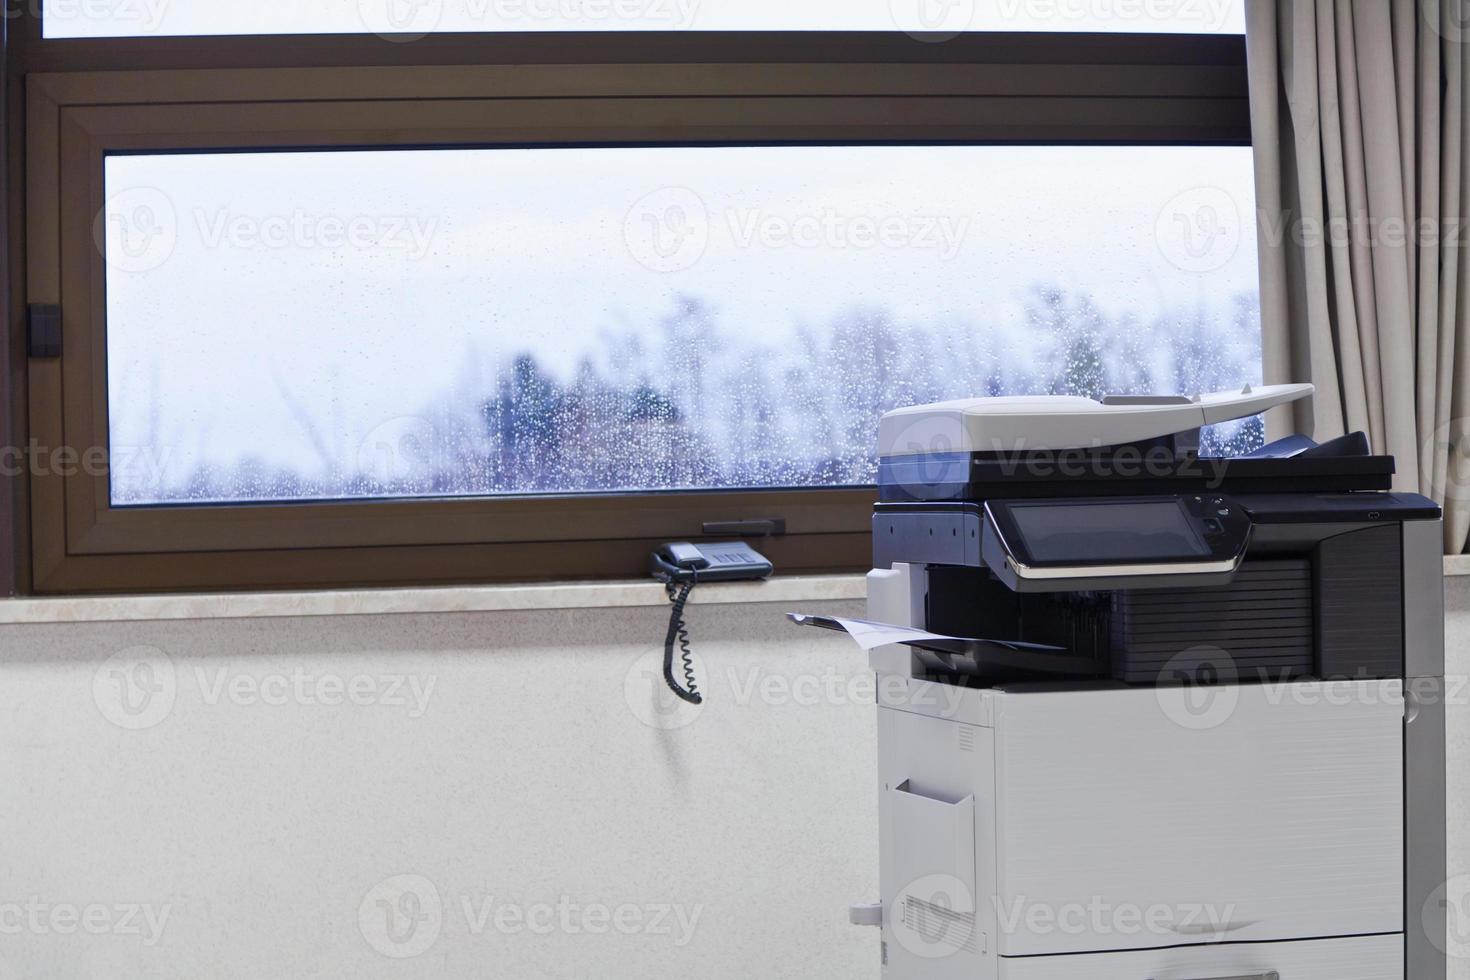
(984, 660)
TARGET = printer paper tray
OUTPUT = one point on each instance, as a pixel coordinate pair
(989, 660)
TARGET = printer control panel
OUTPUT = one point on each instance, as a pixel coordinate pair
(1121, 538)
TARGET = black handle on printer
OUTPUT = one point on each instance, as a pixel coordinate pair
(1271, 975)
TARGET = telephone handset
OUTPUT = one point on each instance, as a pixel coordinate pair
(681, 566)
(728, 561)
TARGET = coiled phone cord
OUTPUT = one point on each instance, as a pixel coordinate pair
(679, 633)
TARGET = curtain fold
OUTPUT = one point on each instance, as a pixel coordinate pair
(1363, 177)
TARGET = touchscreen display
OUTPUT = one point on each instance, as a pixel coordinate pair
(1108, 532)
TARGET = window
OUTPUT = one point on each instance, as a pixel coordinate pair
(407, 18)
(471, 322)
(343, 311)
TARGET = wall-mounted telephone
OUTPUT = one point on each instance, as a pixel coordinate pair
(681, 566)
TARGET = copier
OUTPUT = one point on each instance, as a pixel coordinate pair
(1144, 714)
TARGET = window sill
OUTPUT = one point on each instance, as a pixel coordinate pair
(381, 602)
(495, 598)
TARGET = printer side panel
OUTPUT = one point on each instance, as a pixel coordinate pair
(1426, 902)
(937, 858)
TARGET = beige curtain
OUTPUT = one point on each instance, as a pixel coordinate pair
(1363, 177)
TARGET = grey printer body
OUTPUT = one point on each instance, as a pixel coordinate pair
(1151, 716)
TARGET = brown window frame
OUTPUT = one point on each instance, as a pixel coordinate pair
(84, 99)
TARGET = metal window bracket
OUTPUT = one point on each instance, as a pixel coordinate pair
(43, 330)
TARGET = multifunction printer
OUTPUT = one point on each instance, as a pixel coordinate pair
(1146, 714)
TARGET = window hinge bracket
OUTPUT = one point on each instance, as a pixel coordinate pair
(43, 330)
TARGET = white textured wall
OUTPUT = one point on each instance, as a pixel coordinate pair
(261, 828)
(266, 831)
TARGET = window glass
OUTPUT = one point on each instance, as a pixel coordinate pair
(401, 323)
(408, 19)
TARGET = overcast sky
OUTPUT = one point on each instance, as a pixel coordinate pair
(247, 291)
